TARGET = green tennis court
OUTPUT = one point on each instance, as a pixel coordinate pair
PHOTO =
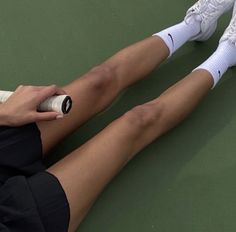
(183, 182)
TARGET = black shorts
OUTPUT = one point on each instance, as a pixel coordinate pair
(31, 199)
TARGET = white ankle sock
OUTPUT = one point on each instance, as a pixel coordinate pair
(177, 35)
(223, 58)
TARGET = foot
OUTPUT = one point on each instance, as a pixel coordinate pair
(230, 32)
(225, 55)
(207, 13)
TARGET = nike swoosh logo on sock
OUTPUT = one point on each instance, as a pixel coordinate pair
(219, 72)
(173, 43)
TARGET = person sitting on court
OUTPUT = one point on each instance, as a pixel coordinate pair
(33, 198)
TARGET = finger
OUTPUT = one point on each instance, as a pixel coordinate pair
(50, 91)
(46, 92)
(60, 91)
(18, 88)
(57, 90)
(47, 116)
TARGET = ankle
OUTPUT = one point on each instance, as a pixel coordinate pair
(227, 50)
(177, 35)
(218, 63)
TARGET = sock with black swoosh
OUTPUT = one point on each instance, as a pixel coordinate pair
(221, 60)
(175, 36)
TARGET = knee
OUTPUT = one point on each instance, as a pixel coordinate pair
(101, 78)
(145, 115)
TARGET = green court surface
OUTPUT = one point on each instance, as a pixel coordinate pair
(184, 181)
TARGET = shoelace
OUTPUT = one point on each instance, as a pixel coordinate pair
(208, 8)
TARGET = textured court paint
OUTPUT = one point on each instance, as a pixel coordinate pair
(183, 182)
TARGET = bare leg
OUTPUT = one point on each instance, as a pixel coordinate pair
(95, 163)
(95, 90)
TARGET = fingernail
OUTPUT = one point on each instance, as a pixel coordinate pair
(59, 116)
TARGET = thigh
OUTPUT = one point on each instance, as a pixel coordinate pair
(20, 151)
(37, 203)
(90, 94)
(30, 198)
(85, 172)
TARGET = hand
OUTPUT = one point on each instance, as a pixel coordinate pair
(21, 106)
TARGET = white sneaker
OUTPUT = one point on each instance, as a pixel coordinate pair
(207, 13)
(230, 32)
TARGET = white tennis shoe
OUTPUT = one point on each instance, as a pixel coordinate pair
(207, 13)
(230, 32)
